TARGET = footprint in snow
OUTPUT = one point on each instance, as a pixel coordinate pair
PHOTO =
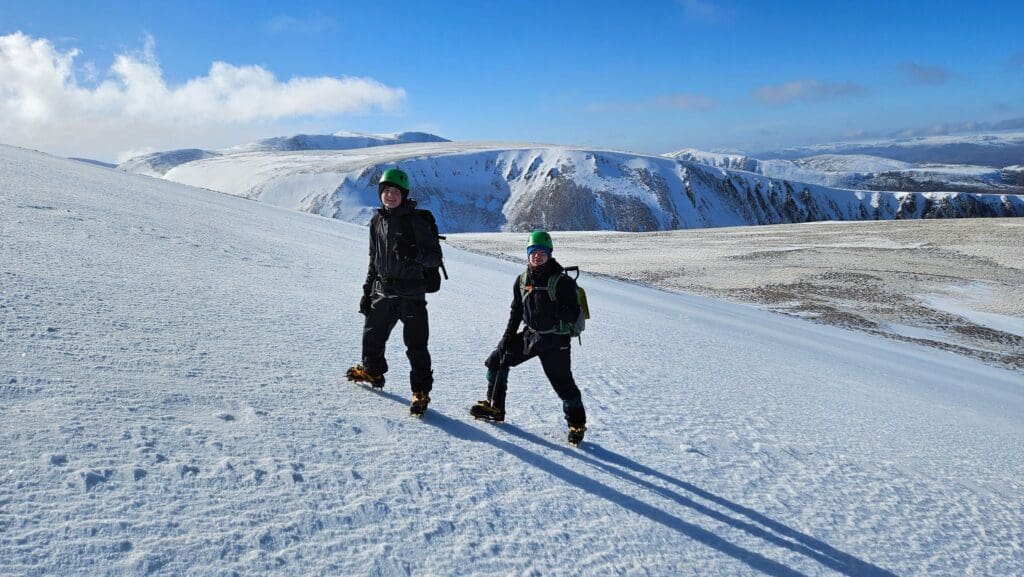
(692, 450)
(186, 470)
(89, 479)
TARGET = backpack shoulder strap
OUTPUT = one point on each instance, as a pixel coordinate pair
(553, 286)
(523, 289)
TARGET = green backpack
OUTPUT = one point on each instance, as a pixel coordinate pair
(576, 327)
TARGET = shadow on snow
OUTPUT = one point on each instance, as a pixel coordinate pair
(597, 457)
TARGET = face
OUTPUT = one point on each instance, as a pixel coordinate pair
(538, 258)
(391, 197)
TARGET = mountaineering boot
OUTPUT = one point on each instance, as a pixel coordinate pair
(419, 404)
(576, 435)
(485, 410)
(358, 374)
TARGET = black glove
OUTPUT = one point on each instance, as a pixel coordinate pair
(364, 305)
(406, 250)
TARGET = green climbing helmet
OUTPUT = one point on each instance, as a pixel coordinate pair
(539, 239)
(394, 177)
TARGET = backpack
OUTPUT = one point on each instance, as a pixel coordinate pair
(576, 327)
(431, 274)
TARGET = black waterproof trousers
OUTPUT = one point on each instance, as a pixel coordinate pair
(555, 356)
(384, 313)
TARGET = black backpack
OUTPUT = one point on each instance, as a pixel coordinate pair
(431, 274)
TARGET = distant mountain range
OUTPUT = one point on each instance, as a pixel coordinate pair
(158, 163)
(490, 187)
(864, 172)
(994, 150)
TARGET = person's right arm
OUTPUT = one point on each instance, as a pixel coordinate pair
(371, 273)
(515, 316)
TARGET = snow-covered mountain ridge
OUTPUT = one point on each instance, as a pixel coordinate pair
(496, 186)
(995, 150)
(338, 141)
(158, 163)
(864, 172)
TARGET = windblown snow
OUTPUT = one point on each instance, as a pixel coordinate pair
(172, 403)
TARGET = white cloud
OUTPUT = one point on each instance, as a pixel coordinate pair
(806, 90)
(41, 99)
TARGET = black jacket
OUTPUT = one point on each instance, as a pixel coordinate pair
(390, 274)
(538, 311)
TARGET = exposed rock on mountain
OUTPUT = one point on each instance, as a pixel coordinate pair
(486, 187)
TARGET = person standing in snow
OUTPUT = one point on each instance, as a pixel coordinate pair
(546, 335)
(402, 243)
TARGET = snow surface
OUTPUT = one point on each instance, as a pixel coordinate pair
(1004, 323)
(171, 403)
(338, 141)
(157, 164)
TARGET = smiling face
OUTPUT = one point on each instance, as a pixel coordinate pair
(391, 197)
(538, 258)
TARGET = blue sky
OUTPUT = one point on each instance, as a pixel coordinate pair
(646, 76)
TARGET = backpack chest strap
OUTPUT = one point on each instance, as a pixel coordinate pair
(525, 289)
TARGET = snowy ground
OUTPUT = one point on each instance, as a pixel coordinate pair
(950, 284)
(171, 403)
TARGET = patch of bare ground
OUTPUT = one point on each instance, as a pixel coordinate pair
(895, 279)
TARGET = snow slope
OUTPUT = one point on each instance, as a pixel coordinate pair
(159, 163)
(338, 141)
(171, 403)
(479, 187)
(864, 172)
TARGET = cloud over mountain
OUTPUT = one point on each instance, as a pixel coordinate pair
(42, 99)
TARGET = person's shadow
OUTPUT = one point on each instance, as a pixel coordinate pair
(595, 456)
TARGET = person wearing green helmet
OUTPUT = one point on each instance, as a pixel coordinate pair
(544, 336)
(403, 243)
